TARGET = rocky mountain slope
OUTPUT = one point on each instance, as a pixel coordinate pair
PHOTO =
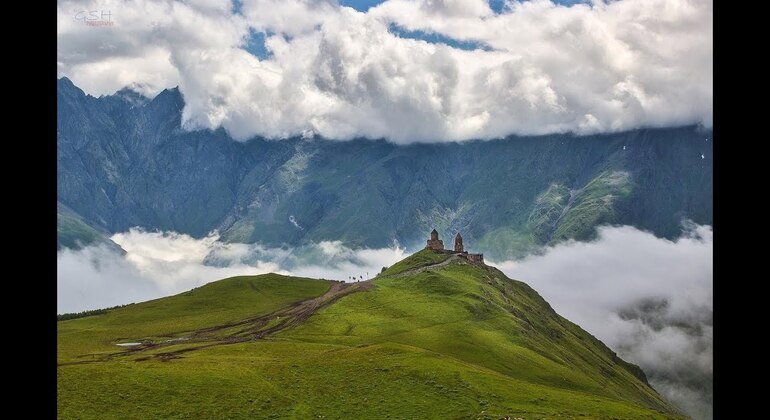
(125, 161)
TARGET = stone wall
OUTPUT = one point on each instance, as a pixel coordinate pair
(437, 245)
(476, 258)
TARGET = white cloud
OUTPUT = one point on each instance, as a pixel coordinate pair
(340, 73)
(649, 299)
(174, 261)
(159, 264)
(156, 264)
(98, 278)
(340, 262)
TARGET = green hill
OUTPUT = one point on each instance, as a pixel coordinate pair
(431, 337)
(74, 233)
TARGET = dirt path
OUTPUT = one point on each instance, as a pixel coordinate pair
(253, 328)
(237, 332)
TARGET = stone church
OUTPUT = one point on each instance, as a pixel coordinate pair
(437, 245)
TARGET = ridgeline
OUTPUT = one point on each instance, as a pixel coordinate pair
(434, 336)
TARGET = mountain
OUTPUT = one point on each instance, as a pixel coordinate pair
(75, 233)
(433, 336)
(124, 161)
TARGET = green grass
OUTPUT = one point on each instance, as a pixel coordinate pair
(459, 341)
(215, 303)
(419, 259)
(507, 242)
(594, 205)
(286, 379)
(479, 316)
(83, 314)
(547, 210)
(71, 232)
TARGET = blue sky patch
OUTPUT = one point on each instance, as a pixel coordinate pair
(436, 38)
(255, 44)
(495, 5)
(360, 5)
(237, 7)
(256, 41)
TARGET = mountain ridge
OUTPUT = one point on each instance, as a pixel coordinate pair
(123, 165)
(454, 339)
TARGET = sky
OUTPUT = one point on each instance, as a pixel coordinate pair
(649, 299)
(495, 5)
(403, 70)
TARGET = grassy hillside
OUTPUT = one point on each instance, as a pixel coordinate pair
(419, 341)
(213, 304)
(74, 233)
(419, 259)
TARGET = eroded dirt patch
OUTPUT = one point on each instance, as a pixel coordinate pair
(235, 332)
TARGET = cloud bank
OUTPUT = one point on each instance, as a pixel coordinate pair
(647, 298)
(160, 264)
(341, 73)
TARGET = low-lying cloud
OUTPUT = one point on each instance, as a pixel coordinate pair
(99, 277)
(159, 264)
(649, 299)
(341, 73)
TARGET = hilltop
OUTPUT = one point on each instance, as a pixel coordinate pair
(433, 336)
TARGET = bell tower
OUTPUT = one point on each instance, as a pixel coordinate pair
(459, 243)
(434, 242)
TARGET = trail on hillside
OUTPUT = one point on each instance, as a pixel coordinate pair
(237, 332)
(251, 329)
(416, 270)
